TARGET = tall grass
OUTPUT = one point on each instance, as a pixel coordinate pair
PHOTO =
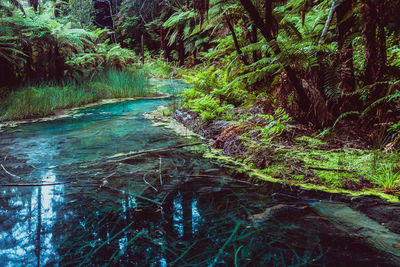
(388, 177)
(45, 99)
(123, 84)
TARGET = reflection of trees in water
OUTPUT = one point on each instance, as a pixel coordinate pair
(133, 234)
(28, 229)
(39, 225)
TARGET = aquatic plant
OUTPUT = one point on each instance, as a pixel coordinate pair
(122, 84)
(46, 98)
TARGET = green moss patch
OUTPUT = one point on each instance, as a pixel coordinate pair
(309, 141)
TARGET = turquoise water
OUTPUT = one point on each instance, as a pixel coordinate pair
(155, 209)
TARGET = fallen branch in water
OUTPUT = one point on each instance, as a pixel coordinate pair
(158, 149)
(123, 156)
(144, 179)
(134, 195)
(329, 169)
(50, 184)
(218, 177)
(9, 173)
(160, 172)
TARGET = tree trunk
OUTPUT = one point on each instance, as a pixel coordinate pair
(235, 41)
(181, 47)
(375, 50)
(344, 28)
(142, 47)
(254, 40)
(265, 29)
(34, 4)
(370, 17)
(382, 40)
(163, 43)
(60, 65)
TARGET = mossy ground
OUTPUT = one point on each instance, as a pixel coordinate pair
(298, 180)
(309, 160)
(311, 163)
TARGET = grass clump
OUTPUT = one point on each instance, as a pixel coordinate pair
(388, 177)
(45, 99)
(124, 84)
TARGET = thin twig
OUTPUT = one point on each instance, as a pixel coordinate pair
(221, 250)
(329, 169)
(105, 179)
(35, 184)
(144, 179)
(135, 195)
(160, 172)
(159, 149)
(13, 175)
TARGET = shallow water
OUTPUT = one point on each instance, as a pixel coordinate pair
(161, 208)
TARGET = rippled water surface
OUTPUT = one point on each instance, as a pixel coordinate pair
(107, 206)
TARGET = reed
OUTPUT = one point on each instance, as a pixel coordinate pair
(47, 98)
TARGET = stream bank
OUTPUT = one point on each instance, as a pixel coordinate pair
(294, 158)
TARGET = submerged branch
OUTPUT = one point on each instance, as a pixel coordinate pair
(121, 157)
(160, 171)
(9, 173)
(217, 177)
(50, 184)
(144, 179)
(134, 195)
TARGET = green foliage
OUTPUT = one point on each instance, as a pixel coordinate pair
(124, 84)
(275, 125)
(388, 177)
(265, 130)
(40, 101)
(206, 80)
(310, 141)
(81, 12)
(46, 99)
(218, 83)
(208, 106)
(160, 68)
(360, 163)
(119, 58)
(40, 47)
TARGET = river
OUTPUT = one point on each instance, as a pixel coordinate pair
(102, 204)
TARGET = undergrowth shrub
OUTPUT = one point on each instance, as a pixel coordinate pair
(275, 125)
(210, 108)
(160, 68)
(264, 128)
(207, 80)
(212, 94)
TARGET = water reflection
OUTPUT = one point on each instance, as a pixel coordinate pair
(29, 217)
